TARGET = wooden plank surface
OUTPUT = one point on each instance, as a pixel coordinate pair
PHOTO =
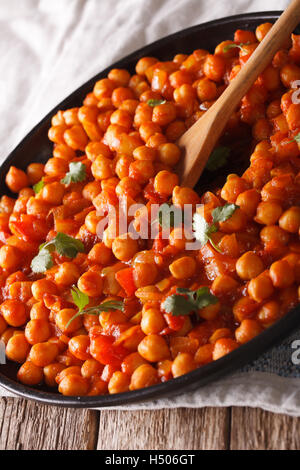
(252, 428)
(26, 425)
(180, 428)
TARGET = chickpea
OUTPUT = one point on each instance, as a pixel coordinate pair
(235, 223)
(121, 94)
(210, 312)
(100, 254)
(132, 362)
(249, 265)
(53, 193)
(206, 90)
(183, 364)
(16, 179)
(64, 316)
(224, 285)
(165, 182)
(223, 346)
(76, 138)
(290, 220)
(182, 196)
(50, 373)
(273, 233)
(247, 330)
(268, 213)
(91, 368)
(72, 370)
(164, 113)
(39, 311)
(119, 383)
(214, 67)
(152, 321)
(42, 354)
(183, 268)
(204, 354)
(91, 283)
(120, 77)
(35, 172)
(154, 348)
(282, 274)
(102, 168)
(14, 312)
(73, 385)
(144, 376)
(79, 347)
(144, 63)
(233, 187)
(10, 257)
(269, 312)
(62, 151)
(43, 286)
(144, 274)
(17, 348)
(261, 288)
(173, 131)
(169, 154)
(67, 274)
(37, 331)
(145, 153)
(56, 167)
(124, 247)
(30, 374)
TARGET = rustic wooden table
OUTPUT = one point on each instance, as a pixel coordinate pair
(26, 425)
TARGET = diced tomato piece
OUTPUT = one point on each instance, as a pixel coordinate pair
(126, 281)
(102, 349)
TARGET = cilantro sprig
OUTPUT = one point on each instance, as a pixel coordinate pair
(81, 299)
(187, 301)
(218, 158)
(154, 102)
(231, 46)
(203, 230)
(38, 186)
(76, 173)
(63, 244)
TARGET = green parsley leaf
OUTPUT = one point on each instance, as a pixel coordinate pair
(153, 103)
(104, 307)
(220, 214)
(186, 301)
(80, 298)
(296, 138)
(38, 186)
(67, 246)
(231, 46)
(42, 262)
(63, 244)
(204, 297)
(218, 158)
(76, 174)
(203, 230)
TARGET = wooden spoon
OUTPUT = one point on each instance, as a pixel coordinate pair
(199, 140)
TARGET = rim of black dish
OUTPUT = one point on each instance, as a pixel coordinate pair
(201, 376)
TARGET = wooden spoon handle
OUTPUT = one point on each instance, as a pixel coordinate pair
(199, 140)
(256, 64)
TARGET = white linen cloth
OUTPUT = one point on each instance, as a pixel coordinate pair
(50, 47)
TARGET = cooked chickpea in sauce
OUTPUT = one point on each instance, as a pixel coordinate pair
(91, 312)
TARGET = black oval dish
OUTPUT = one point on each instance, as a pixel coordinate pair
(36, 147)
